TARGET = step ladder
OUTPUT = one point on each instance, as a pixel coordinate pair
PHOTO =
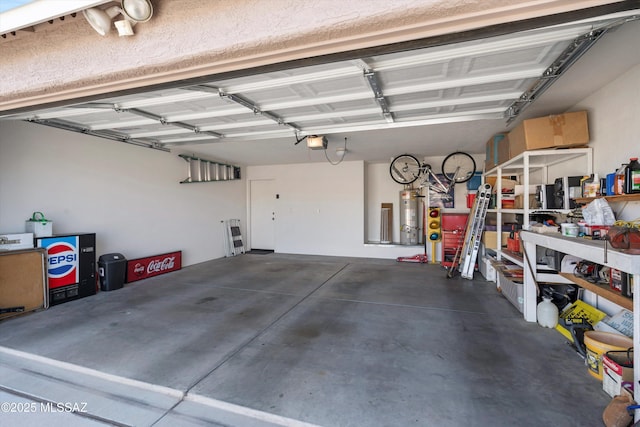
(234, 244)
(473, 232)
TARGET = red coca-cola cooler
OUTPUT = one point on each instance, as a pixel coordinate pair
(112, 269)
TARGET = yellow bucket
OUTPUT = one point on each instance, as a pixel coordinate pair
(598, 343)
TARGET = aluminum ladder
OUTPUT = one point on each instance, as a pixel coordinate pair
(234, 244)
(473, 233)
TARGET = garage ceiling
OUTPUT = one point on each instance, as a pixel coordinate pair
(429, 101)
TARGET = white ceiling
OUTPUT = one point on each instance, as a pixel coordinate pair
(426, 102)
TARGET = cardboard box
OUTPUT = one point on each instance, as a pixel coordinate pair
(621, 322)
(562, 130)
(508, 185)
(490, 239)
(497, 151)
(519, 189)
(533, 202)
(617, 367)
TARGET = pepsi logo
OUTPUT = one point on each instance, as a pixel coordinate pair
(61, 258)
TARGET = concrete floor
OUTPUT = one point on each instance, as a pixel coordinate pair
(261, 340)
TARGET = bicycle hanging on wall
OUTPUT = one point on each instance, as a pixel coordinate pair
(405, 169)
(457, 168)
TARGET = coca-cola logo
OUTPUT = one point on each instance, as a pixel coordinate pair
(156, 265)
(141, 268)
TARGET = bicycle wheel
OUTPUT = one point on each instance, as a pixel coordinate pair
(459, 165)
(405, 169)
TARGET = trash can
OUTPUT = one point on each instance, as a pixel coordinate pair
(112, 269)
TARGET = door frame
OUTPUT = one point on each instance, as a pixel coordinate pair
(249, 219)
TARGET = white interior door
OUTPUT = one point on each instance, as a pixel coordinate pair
(263, 214)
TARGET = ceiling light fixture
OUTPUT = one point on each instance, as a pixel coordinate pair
(133, 11)
(137, 10)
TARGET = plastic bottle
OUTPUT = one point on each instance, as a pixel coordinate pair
(590, 185)
(593, 188)
(632, 177)
(547, 313)
(618, 185)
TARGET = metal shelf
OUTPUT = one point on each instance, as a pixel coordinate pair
(538, 159)
(524, 164)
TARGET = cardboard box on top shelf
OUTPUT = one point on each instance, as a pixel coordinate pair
(508, 185)
(490, 239)
(497, 151)
(562, 130)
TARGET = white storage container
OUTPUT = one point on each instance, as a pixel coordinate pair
(39, 225)
(513, 291)
(15, 241)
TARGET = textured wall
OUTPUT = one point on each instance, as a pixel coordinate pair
(129, 196)
(188, 38)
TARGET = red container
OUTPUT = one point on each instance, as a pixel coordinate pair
(513, 244)
(471, 197)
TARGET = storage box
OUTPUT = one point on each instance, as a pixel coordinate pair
(486, 269)
(519, 189)
(16, 241)
(579, 310)
(617, 367)
(519, 202)
(39, 225)
(490, 239)
(497, 151)
(622, 322)
(508, 185)
(513, 244)
(512, 290)
(563, 130)
(617, 279)
(508, 201)
(597, 232)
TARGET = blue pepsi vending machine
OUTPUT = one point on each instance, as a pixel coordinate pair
(71, 266)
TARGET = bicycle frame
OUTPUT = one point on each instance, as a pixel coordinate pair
(437, 185)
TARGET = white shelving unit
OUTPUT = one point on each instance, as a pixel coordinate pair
(592, 250)
(523, 165)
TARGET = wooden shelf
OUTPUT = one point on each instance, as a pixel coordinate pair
(602, 290)
(618, 198)
(514, 257)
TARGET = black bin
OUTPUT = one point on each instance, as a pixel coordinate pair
(112, 269)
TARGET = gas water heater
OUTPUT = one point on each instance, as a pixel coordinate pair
(409, 217)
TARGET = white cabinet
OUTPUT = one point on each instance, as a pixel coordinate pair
(532, 168)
